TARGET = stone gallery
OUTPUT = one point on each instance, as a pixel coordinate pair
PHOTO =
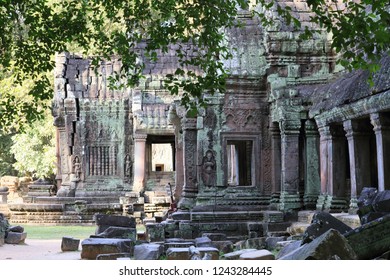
(293, 131)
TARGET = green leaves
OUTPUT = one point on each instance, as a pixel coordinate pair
(34, 30)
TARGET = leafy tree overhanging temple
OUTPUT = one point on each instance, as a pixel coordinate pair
(34, 30)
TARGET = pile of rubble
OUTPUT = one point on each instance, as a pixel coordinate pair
(325, 238)
(11, 234)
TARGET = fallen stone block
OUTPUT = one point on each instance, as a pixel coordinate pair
(92, 247)
(255, 243)
(271, 243)
(236, 254)
(330, 245)
(203, 242)
(321, 223)
(370, 240)
(183, 253)
(223, 246)
(373, 204)
(16, 229)
(116, 256)
(104, 221)
(215, 236)
(15, 237)
(148, 251)
(183, 244)
(257, 255)
(69, 244)
(287, 247)
(117, 232)
(155, 232)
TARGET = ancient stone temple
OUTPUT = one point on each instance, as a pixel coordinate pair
(291, 132)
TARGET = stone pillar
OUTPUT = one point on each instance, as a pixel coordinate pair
(325, 137)
(332, 162)
(312, 172)
(382, 134)
(289, 198)
(276, 160)
(190, 188)
(359, 160)
(139, 162)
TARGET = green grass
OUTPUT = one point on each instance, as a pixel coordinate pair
(57, 232)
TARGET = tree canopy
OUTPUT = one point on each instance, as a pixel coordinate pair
(34, 30)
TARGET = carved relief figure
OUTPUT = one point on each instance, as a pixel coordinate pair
(128, 166)
(76, 167)
(209, 169)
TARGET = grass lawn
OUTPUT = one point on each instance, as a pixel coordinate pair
(57, 232)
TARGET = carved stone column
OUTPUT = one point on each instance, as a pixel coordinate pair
(333, 165)
(382, 134)
(359, 160)
(190, 188)
(289, 198)
(325, 137)
(312, 172)
(276, 162)
(139, 162)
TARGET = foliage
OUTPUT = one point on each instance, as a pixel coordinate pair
(360, 29)
(34, 149)
(17, 106)
(6, 157)
(34, 30)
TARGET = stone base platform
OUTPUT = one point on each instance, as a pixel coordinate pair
(61, 210)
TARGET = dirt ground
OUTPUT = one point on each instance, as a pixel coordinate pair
(35, 249)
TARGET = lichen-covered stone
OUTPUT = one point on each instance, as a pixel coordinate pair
(372, 239)
(324, 247)
(92, 247)
(69, 244)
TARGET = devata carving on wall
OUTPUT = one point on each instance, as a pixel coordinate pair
(209, 169)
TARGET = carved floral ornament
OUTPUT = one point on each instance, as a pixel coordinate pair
(243, 117)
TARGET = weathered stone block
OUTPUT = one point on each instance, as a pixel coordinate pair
(215, 236)
(271, 243)
(183, 253)
(180, 216)
(329, 245)
(255, 243)
(182, 244)
(236, 254)
(118, 232)
(257, 255)
(203, 242)
(15, 237)
(286, 247)
(16, 229)
(104, 221)
(92, 247)
(116, 256)
(155, 232)
(321, 223)
(69, 244)
(223, 246)
(148, 251)
(370, 240)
